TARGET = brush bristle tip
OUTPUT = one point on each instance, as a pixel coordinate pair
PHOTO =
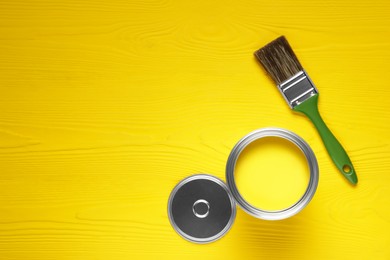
(279, 60)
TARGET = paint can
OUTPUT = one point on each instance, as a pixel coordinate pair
(311, 160)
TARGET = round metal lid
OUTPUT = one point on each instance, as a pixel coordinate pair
(201, 209)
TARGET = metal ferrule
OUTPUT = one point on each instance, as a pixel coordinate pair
(297, 89)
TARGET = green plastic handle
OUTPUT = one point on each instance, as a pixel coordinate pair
(339, 156)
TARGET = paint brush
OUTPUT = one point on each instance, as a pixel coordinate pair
(301, 95)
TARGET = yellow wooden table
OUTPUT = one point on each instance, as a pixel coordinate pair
(106, 104)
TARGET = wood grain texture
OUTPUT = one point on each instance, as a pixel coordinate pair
(106, 105)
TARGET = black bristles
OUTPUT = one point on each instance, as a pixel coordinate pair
(279, 60)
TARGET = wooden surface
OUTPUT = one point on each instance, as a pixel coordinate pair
(106, 105)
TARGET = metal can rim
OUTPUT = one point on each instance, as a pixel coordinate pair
(296, 140)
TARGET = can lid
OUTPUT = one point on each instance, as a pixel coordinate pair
(201, 208)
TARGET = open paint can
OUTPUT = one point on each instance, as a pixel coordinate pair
(295, 206)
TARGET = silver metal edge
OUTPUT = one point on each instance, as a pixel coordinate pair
(232, 203)
(312, 163)
(281, 85)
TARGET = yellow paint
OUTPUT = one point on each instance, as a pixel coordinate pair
(106, 105)
(272, 173)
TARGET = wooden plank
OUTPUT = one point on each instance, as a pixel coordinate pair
(106, 105)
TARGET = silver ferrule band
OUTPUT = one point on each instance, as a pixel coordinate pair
(297, 89)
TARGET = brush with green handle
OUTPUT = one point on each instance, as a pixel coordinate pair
(298, 90)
